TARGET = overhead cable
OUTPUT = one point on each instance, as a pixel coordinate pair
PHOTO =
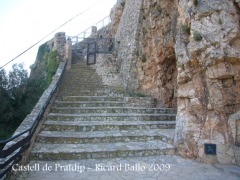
(51, 33)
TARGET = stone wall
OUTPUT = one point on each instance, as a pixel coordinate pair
(208, 58)
(115, 15)
(126, 36)
(106, 65)
(107, 68)
(58, 43)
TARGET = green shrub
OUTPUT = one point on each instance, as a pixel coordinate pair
(42, 50)
(52, 66)
(186, 29)
(195, 2)
(144, 58)
(197, 36)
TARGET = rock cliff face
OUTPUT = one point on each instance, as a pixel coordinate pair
(186, 54)
(207, 51)
(156, 65)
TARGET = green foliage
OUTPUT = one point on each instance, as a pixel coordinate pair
(144, 58)
(195, 2)
(42, 50)
(19, 94)
(52, 66)
(13, 96)
(186, 29)
(197, 36)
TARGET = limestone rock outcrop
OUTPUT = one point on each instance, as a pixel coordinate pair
(208, 58)
(156, 66)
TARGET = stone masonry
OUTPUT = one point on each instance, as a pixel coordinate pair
(127, 36)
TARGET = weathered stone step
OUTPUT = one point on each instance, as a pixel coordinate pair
(81, 76)
(112, 117)
(80, 110)
(92, 98)
(86, 74)
(42, 151)
(83, 80)
(85, 126)
(105, 90)
(68, 137)
(106, 98)
(90, 103)
(82, 85)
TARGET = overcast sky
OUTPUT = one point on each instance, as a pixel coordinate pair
(24, 22)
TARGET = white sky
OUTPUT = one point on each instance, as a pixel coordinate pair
(24, 22)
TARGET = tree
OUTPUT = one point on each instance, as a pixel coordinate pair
(12, 98)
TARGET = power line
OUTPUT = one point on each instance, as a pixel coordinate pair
(51, 33)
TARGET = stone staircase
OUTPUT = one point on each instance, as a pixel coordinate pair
(90, 121)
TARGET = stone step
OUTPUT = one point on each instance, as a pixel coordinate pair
(81, 76)
(127, 102)
(85, 126)
(83, 73)
(41, 151)
(105, 98)
(90, 104)
(80, 110)
(92, 98)
(69, 137)
(111, 117)
(82, 85)
(82, 79)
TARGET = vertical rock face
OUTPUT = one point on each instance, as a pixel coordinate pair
(207, 50)
(156, 57)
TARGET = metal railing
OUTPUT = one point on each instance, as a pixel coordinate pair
(88, 32)
(21, 141)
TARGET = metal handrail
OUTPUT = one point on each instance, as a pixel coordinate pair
(24, 143)
(13, 137)
(88, 30)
